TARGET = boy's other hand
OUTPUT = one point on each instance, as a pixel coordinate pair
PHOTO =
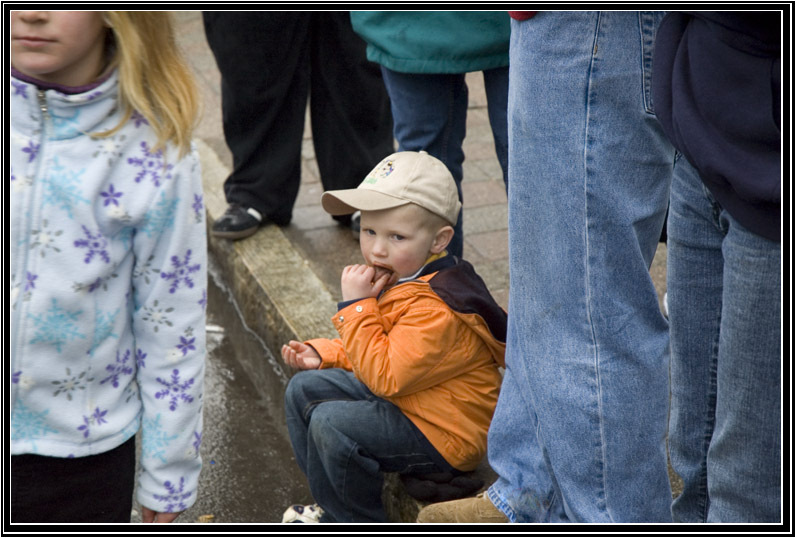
(357, 282)
(300, 356)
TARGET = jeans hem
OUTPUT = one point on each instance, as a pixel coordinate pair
(498, 501)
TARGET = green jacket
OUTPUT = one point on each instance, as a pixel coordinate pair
(435, 41)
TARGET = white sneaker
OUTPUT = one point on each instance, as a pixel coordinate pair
(308, 514)
(666, 307)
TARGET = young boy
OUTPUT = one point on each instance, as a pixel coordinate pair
(411, 385)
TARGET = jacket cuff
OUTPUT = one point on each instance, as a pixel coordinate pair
(326, 350)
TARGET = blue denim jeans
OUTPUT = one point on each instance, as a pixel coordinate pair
(579, 430)
(430, 113)
(344, 438)
(723, 287)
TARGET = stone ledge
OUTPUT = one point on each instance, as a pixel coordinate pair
(279, 298)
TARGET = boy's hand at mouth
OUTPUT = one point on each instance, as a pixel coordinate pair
(361, 281)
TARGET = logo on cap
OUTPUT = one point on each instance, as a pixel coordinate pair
(382, 172)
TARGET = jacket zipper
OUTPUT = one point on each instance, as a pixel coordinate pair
(46, 118)
(43, 107)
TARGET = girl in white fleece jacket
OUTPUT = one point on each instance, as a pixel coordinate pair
(108, 268)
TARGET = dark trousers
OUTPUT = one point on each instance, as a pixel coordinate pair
(98, 488)
(345, 438)
(269, 63)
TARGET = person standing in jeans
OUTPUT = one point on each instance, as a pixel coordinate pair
(579, 431)
(269, 62)
(717, 85)
(424, 57)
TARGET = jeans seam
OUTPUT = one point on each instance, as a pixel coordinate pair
(449, 121)
(645, 67)
(343, 495)
(710, 423)
(645, 103)
(596, 361)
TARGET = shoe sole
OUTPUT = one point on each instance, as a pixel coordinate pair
(234, 234)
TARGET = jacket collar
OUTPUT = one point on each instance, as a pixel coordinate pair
(436, 263)
(69, 115)
(439, 264)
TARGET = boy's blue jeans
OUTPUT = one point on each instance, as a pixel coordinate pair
(344, 438)
(579, 431)
(723, 285)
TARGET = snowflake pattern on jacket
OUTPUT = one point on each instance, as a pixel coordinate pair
(108, 289)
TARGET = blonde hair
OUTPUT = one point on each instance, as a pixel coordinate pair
(154, 79)
(430, 220)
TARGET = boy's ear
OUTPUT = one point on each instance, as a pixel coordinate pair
(442, 239)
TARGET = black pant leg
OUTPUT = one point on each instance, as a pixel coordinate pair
(264, 65)
(97, 488)
(349, 106)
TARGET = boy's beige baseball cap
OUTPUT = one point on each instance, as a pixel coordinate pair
(399, 179)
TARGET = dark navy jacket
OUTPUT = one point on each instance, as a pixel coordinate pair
(717, 94)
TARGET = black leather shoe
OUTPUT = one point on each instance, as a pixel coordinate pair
(238, 222)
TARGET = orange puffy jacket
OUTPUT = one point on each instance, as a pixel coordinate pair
(431, 346)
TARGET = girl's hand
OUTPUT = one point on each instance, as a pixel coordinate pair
(358, 281)
(300, 356)
(148, 515)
